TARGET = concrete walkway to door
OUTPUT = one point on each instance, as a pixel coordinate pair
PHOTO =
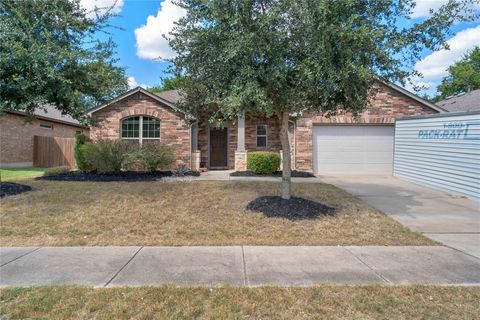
(224, 175)
(451, 220)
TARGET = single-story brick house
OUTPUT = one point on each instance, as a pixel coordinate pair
(341, 143)
(16, 134)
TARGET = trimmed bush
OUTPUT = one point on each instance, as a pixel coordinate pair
(89, 153)
(80, 140)
(154, 156)
(262, 162)
(107, 156)
(54, 171)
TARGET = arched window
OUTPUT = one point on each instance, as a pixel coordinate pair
(140, 128)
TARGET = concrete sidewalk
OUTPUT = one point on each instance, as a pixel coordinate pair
(236, 265)
(451, 220)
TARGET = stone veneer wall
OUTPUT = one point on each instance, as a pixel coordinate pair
(203, 141)
(386, 105)
(173, 129)
(16, 137)
(273, 141)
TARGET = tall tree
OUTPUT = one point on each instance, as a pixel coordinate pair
(171, 83)
(463, 76)
(278, 57)
(50, 53)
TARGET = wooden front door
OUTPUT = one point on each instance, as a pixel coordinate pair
(218, 148)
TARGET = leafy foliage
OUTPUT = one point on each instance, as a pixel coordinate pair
(80, 140)
(154, 156)
(277, 57)
(107, 156)
(183, 171)
(464, 76)
(270, 56)
(262, 162)
(172, 83)
(50, 54)
(111, 156)
(89, 154)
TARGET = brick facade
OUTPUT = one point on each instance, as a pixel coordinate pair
(16, 137)
(384, 107)
(173, 129)
(273, 140)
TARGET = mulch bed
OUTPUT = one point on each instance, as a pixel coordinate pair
(293, 209)
(122, 176)
(295, 174)
(10, 188)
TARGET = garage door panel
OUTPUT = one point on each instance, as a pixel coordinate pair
(379, 146)
(353, 149)
(365, 168)
(354, 131)
(354, 157)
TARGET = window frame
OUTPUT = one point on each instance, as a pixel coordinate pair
(46, 126)
(141, 126)
(140, 137)
(261, 135)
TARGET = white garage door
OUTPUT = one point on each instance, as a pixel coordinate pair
(353, 149)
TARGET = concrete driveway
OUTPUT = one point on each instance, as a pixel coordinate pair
(451, 220)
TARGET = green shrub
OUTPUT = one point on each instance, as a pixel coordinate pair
(154, 156)
(56, 171)
(107, 156)
(263, 162)
(80, 140)
(89, 153)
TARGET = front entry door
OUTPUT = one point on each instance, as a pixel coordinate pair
(218, 148)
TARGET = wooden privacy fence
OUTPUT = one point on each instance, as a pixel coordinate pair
(53, 151)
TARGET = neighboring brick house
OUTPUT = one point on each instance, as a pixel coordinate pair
(17, 132)
(340, 143)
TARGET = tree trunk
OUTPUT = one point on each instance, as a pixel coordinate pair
(287, 170)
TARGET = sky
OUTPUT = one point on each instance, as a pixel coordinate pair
(141, 45)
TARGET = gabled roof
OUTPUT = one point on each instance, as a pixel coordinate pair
(468, 101)
(154, 96)
(411, 95)
(171, 97)
(50, 113)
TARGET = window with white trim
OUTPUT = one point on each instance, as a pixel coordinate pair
(140, 128)
(261, 135)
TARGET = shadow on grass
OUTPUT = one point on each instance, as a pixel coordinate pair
(293, 209)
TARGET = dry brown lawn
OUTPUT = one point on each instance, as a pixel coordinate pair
(323, 302)
(186, 213)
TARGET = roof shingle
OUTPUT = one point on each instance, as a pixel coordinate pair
(49, 112)
(469, 101)
(172, 96)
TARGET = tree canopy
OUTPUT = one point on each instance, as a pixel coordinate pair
(463, 76)
(171, 83)
(51, 53)
(279, 57)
